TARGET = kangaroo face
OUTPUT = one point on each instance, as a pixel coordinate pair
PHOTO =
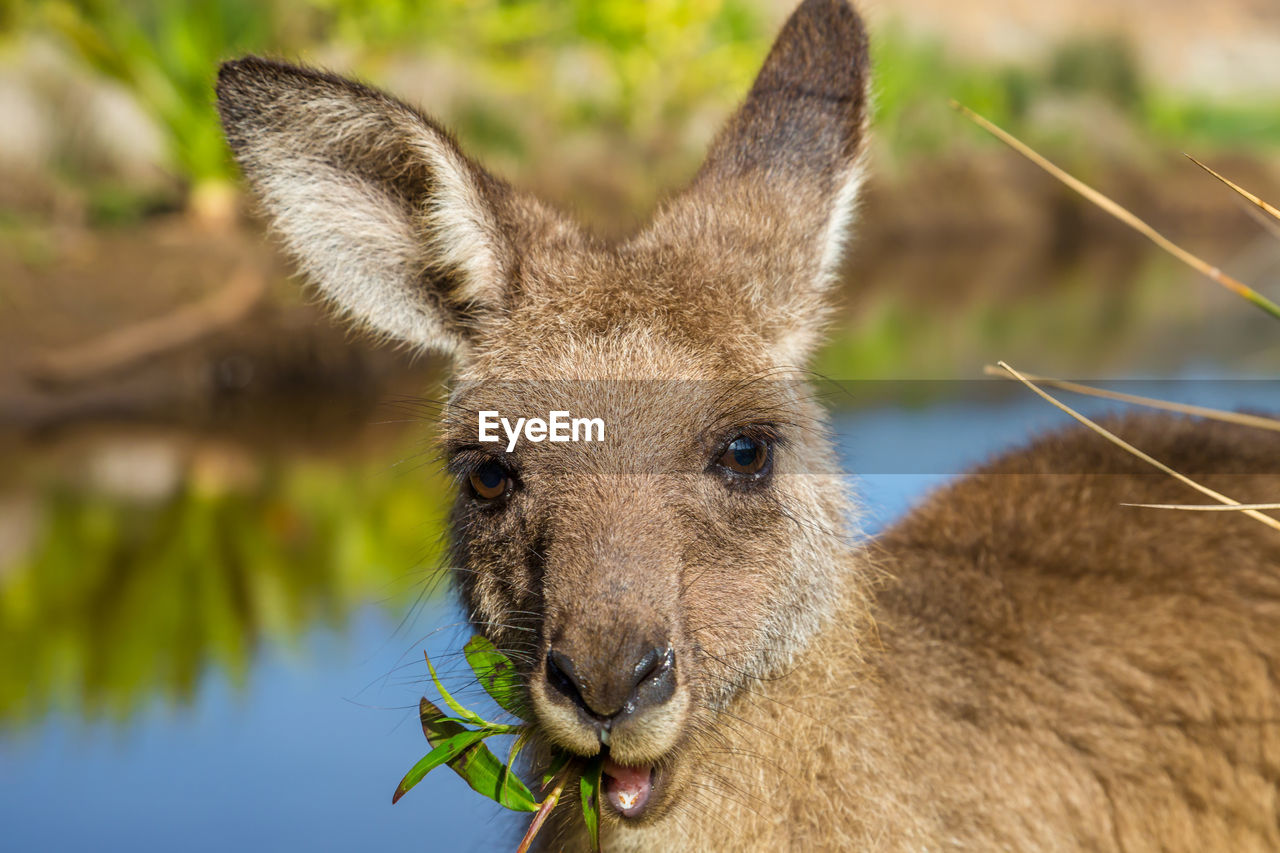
(644, 580)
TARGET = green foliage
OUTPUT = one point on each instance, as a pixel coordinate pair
(1201, 122)
(116, 204)
(1103, 66)
(490, 778)
(496, 673)
(15, 17)
(167, 53)
(445, 750)
(508, 74)
(914, 79)
(589, 793)
(455, 706)
(557, 764)
(463, 748)
(578, 62)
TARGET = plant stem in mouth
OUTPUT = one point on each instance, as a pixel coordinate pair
(548, 803)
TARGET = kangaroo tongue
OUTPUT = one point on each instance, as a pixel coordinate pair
(627, 788)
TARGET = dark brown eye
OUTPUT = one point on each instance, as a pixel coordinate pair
(745, 455)
(490, 481)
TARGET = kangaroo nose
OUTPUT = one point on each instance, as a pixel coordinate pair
(608, 691)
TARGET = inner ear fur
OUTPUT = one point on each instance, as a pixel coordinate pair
(375, 201)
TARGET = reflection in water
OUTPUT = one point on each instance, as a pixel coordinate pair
(1128, 310)
(157, 558)
(147, 572)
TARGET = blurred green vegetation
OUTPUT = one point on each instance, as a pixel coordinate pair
(118, 603)
(165, 52)
(506, 72)
(915, 78)
(576, 62)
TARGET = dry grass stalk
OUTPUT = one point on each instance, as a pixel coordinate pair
(1235, 286)
(1267, 208)
(1259, 211)
(1240, 418)
(1150, 460)
(1207, 507)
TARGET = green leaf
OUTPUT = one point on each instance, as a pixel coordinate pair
(589, 790)
(436, 724)
(519, 744)
(469, 716)
(476, 764)
(446, 752)
(497, 675)
(487, 775)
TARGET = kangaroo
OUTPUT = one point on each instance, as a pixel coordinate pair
(1019, 664)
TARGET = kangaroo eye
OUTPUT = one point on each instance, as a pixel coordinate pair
(745, 455)
(490, 481)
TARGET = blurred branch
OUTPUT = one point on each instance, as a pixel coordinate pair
(125, 347)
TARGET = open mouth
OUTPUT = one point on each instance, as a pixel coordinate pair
(628, 789)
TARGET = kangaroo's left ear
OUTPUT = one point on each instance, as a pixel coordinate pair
(382, 210)
(780, 183)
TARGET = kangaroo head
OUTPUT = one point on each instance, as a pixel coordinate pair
(643, 580)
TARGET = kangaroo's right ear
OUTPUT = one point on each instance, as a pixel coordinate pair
(376, 202)
(780, 183)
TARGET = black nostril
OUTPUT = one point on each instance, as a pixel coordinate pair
(654, 679)
(653, 665)
(564, 678)
(604, 690)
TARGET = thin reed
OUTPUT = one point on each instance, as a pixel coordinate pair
(1124, 215)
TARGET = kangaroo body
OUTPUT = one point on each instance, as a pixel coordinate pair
(1020, 664)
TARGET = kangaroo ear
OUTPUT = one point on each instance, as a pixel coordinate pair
(378, 205)
(780, 182)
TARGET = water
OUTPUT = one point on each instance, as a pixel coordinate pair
(294, 736)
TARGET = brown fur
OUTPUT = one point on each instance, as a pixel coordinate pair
(1020, 664)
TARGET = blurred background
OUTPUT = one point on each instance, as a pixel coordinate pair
(220, 520)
